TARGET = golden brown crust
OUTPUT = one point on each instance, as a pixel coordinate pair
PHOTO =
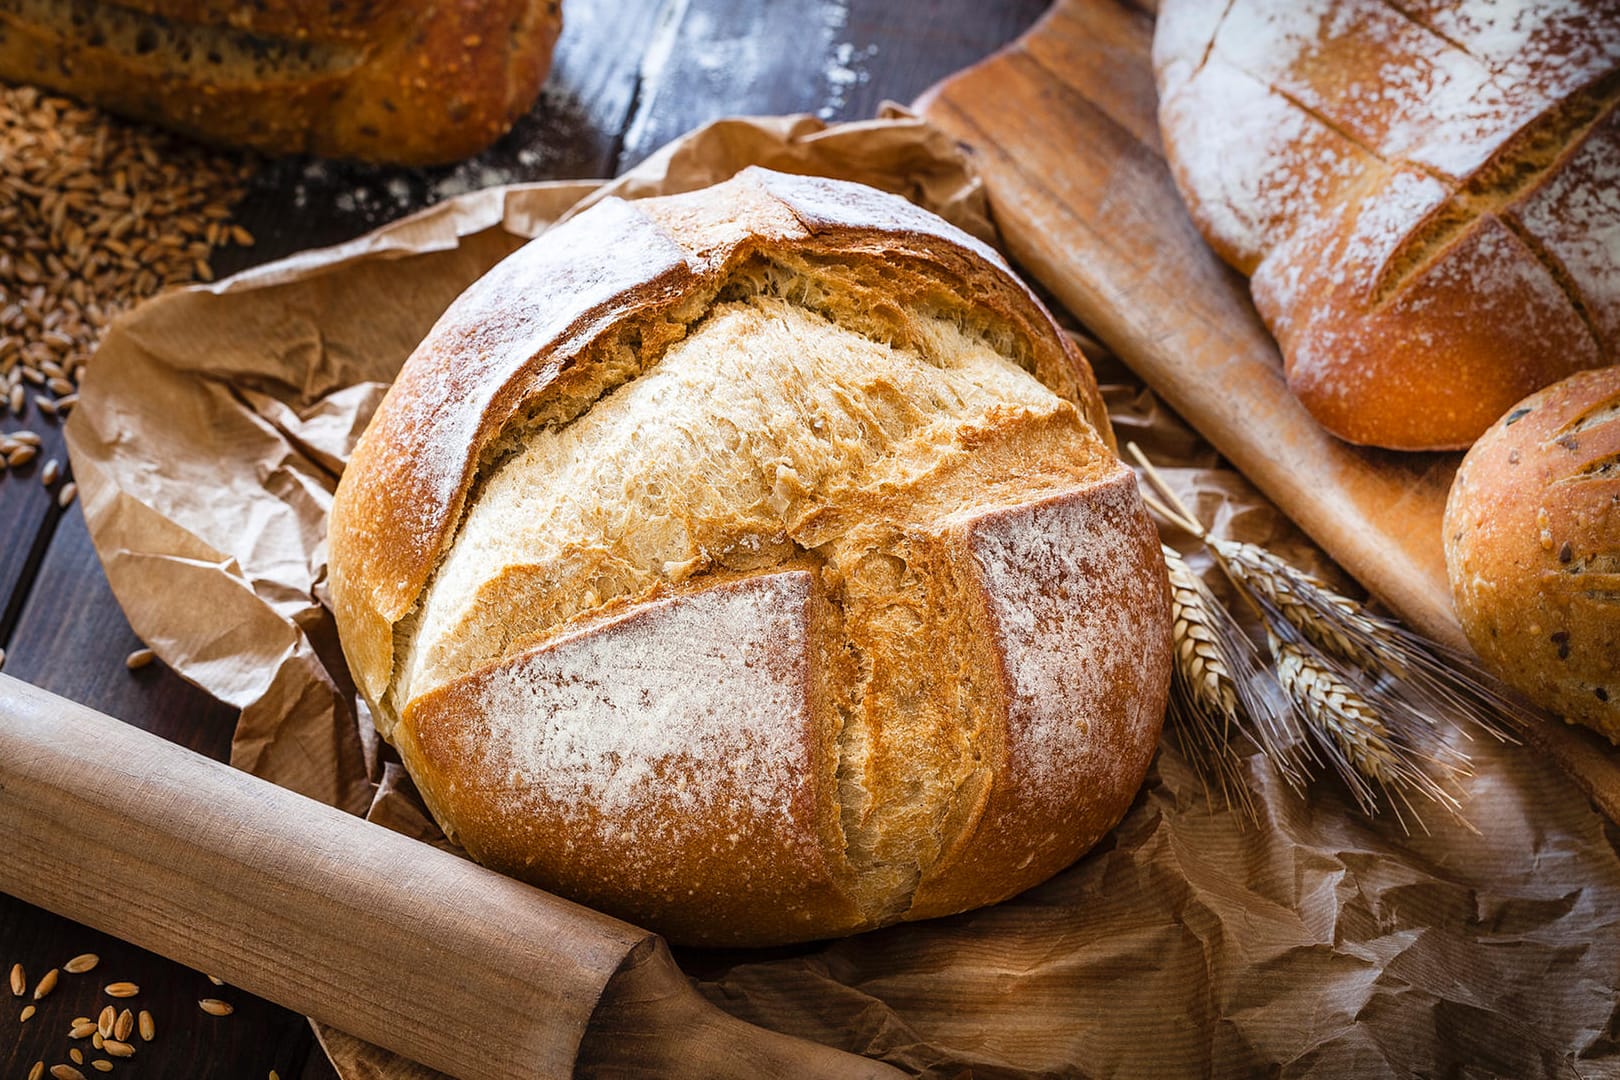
(928, 687)
(1065, 605)
(408, 83)
(1423, 200)
(511, 338)
(1533, 548)
(1080, 719)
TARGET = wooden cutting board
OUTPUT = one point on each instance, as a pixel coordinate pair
(1063, 127)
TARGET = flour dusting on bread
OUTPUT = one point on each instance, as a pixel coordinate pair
(705, 686)
(1052, 570)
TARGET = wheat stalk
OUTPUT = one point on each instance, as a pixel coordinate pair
(1336, 707)
(1434, 682)
(1222, 692)
(1367, 692)
(1315, 610)
(1203, 696)
(1198, 647)
(1366, 735)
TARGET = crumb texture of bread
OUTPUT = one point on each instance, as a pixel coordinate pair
(752, 432)
(1426, 197)
(1533, 548)
(772, 582)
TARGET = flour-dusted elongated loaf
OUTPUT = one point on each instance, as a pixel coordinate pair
(1426, 195)
(406, 81)
(1533, 548)
(753, 564)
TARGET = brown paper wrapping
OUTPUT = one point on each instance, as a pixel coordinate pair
(211, 430)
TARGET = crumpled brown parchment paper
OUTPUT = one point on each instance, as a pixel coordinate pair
(211, 431)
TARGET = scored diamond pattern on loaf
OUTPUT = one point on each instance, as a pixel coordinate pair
(1421, 193)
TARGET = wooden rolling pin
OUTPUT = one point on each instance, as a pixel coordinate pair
(401, 944)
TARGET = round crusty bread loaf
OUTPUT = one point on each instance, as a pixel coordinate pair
(1426, 197)
(410, 82)
(1533, 548)
(750, 564)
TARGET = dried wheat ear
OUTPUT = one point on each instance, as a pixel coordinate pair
(1336, 685)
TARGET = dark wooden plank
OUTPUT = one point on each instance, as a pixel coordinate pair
(838, 59)
(28, 512)
(895, 51)
(72, 639)
(257, 1037)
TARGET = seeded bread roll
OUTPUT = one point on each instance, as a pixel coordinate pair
(753, 564)
(408, 82)
(1533, 548)
(1425, 196)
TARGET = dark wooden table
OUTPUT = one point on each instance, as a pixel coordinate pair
(629, 75)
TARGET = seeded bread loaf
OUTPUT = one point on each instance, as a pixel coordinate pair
(1533, 548)
(1425, 195)
(411, 82)
(753, 564)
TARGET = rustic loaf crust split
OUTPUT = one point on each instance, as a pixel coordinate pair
(754, 564)
(1424, 194)
(409, 81)
(1533, 548)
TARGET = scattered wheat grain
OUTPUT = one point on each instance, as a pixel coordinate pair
(47, 983)
(95, 215)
